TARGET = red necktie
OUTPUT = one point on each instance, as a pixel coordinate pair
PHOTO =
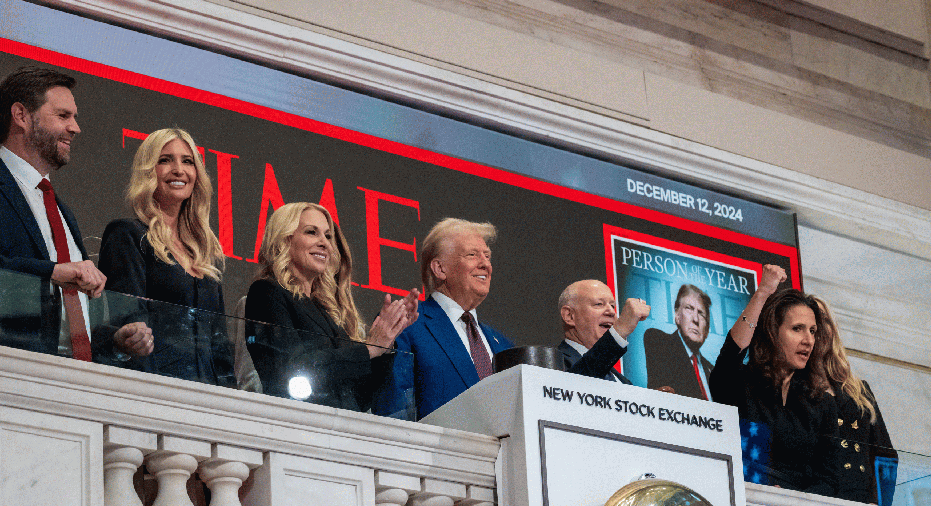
(477, 347)
(701, 385)
(80, 342)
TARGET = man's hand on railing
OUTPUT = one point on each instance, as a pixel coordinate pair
(82, 276)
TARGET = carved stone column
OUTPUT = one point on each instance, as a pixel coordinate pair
(172, 465)
(123, 453)
(225, 470)
(431, 500)
(172, 471)
(223, 478)
(119, 465)
(478, 496)
(391, 496)
(438, 493)
(394, 489)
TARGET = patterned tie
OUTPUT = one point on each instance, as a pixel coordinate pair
(80, 342)
(704, 394)
(477, 347)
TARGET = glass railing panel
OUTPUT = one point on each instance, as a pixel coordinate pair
(912, 480)
(880, 474)
(23, 301)
(311, 365)
(855, 470)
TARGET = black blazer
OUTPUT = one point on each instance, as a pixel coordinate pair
(22, 250)
(191, 345)
(300, 339)
(791, 445)
(668, 364)
(598, 362)
(863, 449)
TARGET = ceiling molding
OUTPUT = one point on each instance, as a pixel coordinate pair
(819, 204)
(856, 28)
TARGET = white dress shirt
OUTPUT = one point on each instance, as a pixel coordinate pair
(454, 311)
(28, 178)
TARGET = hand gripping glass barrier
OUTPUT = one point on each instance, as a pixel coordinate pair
(314, 365)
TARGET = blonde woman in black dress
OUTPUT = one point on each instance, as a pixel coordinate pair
(313, 334)
(168, 253)
(864, 449)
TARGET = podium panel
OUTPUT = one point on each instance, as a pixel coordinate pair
(574, 440)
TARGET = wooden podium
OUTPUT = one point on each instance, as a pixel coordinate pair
(569, 440)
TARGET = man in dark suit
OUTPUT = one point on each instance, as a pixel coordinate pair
(595, 333)
(675, 359)
(451, 349)
(38, 122)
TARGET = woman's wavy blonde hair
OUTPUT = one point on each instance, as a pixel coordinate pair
(333, 289)
(194, 219)
(837, 366)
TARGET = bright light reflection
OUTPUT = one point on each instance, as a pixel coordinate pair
(299, 388)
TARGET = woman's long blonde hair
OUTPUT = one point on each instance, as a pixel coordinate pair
(837, 366)
(194, 230)
(333, 289)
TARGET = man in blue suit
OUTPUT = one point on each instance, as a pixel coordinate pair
(595, 332)
(38, 122)
(451, 348)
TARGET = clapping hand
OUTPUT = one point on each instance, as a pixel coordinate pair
(395, 316)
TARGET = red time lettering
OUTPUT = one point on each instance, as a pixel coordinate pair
(225, 201)
(375, 241)
(270, 195)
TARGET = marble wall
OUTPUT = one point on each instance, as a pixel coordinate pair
(903, 17)
(823, 78)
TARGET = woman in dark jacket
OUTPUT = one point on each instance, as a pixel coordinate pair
(169, 256)
(864, 449)
(312, 345)
(788, 422)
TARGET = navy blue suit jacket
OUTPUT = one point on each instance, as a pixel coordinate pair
(22, 249)
(598, 362)
(440, 368)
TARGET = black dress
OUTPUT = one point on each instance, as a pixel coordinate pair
(190, 343)
(864, 453)
(792, 446)
(302, 340)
